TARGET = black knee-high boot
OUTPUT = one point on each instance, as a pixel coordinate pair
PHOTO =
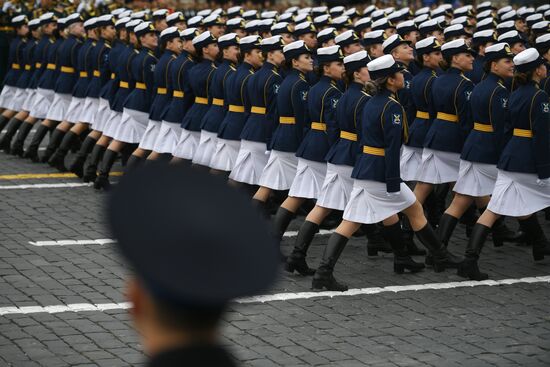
(408, 238)
(13, 126)
(32, 149)
(469, 267)
(535, 237)
(90, 172)
(77, 166)
(57, 160)
(501, 233)
(3, 122)
(281, 221)
(297, 259)
(447, 225)
(401, 257)
(262, 208)
(324, 278)
(442, 258)
(375, 240)
(102, 180)
(17, 146)
(133, 162)
(56, 138)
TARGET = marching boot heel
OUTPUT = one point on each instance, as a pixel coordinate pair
(535, 237)
(90, 172)
(470, 269)
(32, 149)
(297, 259)
(77, 166)
(5, 141)
(17, 146)
(57, 160)
(442, 258)
(401, 259)
(401, 264)
(324, 278)
(56, 138)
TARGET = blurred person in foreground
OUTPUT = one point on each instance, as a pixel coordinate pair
(190, 259)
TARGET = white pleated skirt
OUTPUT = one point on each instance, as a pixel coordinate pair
(89, 110)
(7, 95)
(369, 202)
(29, 100)
(475, 179)
(251, 161)
(206, 148)
(167, 138)
(225, 155)
(59, 107)
(438, 167)
(308, 180)
(517, 194)
(112, 119)
(42, 102)
(411, 158)
(187, 144)
(151, 132)
(74, 111)
(18, 99)
(132, 126)
(336, 188)
(101, 117)
(279, 171)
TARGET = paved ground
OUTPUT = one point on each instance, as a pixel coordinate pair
(479, 325)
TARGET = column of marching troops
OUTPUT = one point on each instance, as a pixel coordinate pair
(376, 113)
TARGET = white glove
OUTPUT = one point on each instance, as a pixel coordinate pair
(544, 182)
(393, 194)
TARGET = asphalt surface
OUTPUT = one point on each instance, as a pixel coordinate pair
(474, 325)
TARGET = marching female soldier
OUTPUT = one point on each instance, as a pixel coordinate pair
(78, 96)
(291, 107)
(117, 130)
(482, 148)
(48, 24)
(100, 76)
(322, 134)
(378, 193)
(135, 116)
(238, 102)
(341, 157)
(229, 51)
(453, 120)
(165, 139)
(66, 60)
(522, 187)
(102, 118)
(8, 102)
(200, 77)
(263, 87)
(171, 44)
(429, 57)
(23, 85)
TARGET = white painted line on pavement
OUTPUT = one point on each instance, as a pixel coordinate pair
(108, 241)
(83, 307)
(44, 186)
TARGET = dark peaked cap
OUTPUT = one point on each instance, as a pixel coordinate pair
(191, 238)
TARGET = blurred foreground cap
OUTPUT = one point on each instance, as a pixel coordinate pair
(192, 239)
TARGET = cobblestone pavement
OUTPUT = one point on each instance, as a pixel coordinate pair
(499, 325)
